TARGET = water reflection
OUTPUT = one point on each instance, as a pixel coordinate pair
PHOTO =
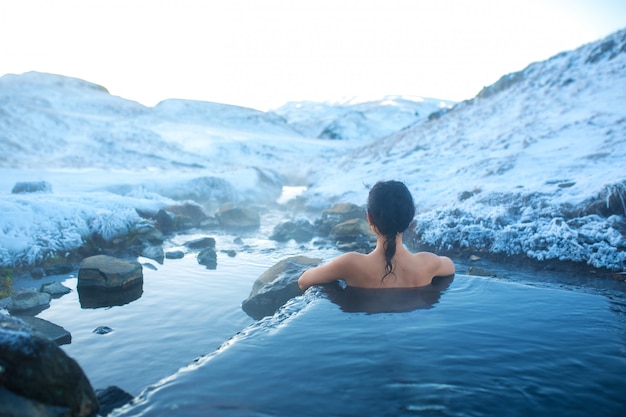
(90, 297)
(388, 300)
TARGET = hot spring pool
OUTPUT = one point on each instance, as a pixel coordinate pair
(482, 347)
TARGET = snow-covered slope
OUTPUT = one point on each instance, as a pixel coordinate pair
(535, 164)
(359, 120)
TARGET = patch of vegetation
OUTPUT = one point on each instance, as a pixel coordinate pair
(6, 281)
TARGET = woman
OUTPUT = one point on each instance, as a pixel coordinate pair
(390, 210)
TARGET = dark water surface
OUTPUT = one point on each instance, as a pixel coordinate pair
(477, 347)
(486, 348)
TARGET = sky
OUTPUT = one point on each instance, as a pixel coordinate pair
(264, 53)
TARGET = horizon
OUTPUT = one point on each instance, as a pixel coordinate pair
(263, 54)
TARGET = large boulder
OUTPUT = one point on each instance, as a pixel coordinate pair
(105, 281)
(107, 272)
(276, 286)
(38, 378)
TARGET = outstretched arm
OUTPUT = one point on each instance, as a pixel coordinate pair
(338, 268)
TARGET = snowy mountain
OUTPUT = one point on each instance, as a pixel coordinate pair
(533, 165)
(359, 120)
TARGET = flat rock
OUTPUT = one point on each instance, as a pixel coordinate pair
(27, 301)
(108, 272)
(54, 332)
(55, 289)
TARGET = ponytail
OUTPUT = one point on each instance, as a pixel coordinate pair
(390, 251)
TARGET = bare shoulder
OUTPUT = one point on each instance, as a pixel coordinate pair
(437, 265)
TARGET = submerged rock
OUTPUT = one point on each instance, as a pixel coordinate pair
(111, 398)
(276, 286)
(63, 389)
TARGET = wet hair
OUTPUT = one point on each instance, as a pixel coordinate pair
(391, 208)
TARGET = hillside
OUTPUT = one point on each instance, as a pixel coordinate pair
(533, 165)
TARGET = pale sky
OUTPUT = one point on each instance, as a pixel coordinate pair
(263, 53)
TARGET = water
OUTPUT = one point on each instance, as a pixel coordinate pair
(479, 347)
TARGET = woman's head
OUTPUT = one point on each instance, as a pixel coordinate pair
(390, 209)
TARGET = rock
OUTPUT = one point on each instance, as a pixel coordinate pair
(480, 272)
(111, 398)
(55, 289)
(300, 230)
(37, 273)
(201, 243)
(208, 258)
(28, 302)
(102, 330)
(153, 252)
(165, 221)
(235, 217)
(25, 353)
(188, 215)
(351, 230)
(339, 213)
(230, 252)
(62, 268)
(31, 187)
(105, 281)
(149, 234)
(276, 286)
(103, 271)
(176, 254)
(149, 266)
(54, 332)
(13, 405)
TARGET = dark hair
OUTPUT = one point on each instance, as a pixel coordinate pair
(391, 208)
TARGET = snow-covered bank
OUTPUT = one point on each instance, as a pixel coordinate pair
(534, 165)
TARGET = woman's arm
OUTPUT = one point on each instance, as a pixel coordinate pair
(339, 268)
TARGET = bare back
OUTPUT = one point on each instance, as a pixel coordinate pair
(367, 271)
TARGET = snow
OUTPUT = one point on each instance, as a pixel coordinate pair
(533, 165)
